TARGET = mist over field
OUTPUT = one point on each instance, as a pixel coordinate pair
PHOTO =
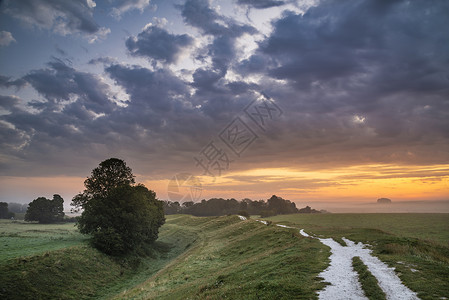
(395, 207)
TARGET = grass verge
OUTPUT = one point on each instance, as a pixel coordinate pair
(369, 283)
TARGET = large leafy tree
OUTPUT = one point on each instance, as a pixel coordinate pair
(46, 211)
(120, 216)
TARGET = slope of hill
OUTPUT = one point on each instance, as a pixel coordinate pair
(237, 259)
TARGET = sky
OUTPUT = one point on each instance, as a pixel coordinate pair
(313, 101)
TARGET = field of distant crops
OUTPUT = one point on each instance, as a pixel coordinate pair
(220, 257)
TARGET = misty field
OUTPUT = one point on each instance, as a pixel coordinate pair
(220, 257)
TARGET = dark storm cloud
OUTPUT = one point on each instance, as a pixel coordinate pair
(8, 102)
(156, 43)
(102, 60)
(359, 82)
(393, 43)
(157, 90)
(367, 75)
(261, 3)
(62, 16)
(219, 98)
(60, 83)
(77, 119)
(6, 82)
(199, 14)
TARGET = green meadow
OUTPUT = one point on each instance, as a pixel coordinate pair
(19, 238)
(220, 257)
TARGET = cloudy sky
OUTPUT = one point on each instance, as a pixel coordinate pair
(306, 99)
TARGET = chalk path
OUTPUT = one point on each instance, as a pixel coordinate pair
(344, 282)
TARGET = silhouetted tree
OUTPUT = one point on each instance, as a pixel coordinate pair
(120, 217)
(4, 211)
(46, 211)
(110, 174)
(171, 208)
(219, 207)
(281, 206)
(188, 204)
(308, 210)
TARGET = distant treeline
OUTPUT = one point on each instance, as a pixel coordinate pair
(14, 210)
(220, 207)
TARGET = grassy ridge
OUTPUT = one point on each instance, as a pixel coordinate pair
(415, 244)
(237, 259)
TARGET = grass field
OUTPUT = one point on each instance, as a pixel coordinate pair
(220, 257)
(25, 239)
(430, 227)
(415, 244)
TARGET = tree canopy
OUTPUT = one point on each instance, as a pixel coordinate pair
(46, 211)
(120, 216)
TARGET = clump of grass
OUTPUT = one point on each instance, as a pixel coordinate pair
(340, 241)
(370, 285)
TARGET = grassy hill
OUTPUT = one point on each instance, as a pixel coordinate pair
(219, 257)
(237, 259)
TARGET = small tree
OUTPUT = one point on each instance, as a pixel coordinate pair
(46, 211)
(120, 217)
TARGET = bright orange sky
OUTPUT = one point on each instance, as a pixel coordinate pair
(356, 183)
(363, 184)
